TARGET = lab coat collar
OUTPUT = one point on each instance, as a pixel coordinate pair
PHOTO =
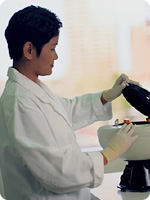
(41, 91)
(36, 89)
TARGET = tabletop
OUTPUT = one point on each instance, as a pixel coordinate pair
(109, 191)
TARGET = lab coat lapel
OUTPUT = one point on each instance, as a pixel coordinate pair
(55, 102)
(41, 91)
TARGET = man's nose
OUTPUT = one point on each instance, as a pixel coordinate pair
(55, 56)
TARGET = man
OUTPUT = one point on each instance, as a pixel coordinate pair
(40, 157)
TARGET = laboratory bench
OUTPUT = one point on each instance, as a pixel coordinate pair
(109, 191)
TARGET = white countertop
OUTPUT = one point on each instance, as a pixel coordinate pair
(109, 191)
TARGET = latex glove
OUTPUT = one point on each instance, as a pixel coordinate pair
(120, 142)
(116, 90)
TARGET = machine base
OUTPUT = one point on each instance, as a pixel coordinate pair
(136, 176)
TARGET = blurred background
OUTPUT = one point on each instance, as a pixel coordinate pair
(100, 39)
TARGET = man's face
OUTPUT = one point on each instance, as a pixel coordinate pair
(45, 62)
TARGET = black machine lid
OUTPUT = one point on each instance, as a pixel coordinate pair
(138, 97)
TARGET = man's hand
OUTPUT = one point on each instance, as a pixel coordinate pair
(120, 142)
(120, 84)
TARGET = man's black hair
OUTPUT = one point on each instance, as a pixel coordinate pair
(35, 24)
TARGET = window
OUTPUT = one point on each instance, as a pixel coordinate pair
(100, 40)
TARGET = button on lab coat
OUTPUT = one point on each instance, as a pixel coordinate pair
(39, 155)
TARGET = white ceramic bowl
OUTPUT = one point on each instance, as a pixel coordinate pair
(139, 150)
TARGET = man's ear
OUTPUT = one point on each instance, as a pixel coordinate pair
(28, 50)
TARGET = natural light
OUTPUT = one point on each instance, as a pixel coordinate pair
(100, 39)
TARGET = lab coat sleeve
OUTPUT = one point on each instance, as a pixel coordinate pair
(1, 186)
(59, 169)
(86, 109)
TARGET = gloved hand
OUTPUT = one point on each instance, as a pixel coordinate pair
(116, 90)
(120, 142)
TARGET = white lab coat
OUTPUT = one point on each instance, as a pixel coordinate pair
(40, 157)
